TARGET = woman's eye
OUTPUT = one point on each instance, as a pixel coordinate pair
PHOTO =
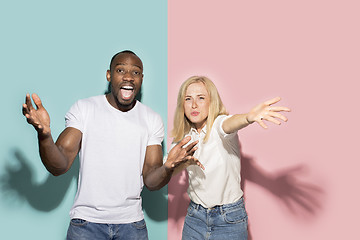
(187, 99)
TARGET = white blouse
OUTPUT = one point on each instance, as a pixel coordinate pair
(219, 183)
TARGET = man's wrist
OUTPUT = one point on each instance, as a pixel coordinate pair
(168, 169)
(44, 137)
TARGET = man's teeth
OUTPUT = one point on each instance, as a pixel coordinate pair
(127, 88)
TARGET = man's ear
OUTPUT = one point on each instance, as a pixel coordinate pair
(108, 75)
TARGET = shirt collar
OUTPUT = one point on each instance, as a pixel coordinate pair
(203, 130)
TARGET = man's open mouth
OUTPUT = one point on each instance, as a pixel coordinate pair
(126, 92)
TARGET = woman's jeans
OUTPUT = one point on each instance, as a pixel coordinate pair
(83, 230)
(228, 221)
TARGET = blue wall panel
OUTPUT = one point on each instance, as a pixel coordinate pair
(61, 50)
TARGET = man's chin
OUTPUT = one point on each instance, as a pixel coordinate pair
(126, 102)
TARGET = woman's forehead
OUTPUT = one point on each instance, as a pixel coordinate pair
(197, 87)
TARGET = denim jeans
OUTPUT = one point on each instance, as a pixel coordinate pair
(227, 221)
(83, 230)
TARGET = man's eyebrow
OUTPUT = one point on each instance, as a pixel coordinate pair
(123, 64)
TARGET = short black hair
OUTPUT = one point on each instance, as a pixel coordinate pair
(125, 51)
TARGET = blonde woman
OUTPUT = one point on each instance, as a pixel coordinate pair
(216, 210)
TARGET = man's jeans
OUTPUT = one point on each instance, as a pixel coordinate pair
(83, 230)
(227, 221)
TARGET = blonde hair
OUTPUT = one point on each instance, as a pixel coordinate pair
(181, 124)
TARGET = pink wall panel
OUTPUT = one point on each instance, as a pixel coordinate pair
(300, 178)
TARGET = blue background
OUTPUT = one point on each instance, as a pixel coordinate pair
(61, 50)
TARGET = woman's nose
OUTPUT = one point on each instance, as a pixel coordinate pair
(194, 104)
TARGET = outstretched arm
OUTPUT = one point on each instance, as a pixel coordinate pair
(155, 173)
(261, 112)
(57, 157)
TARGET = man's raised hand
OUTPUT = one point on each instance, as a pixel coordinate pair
(182, 155)
(38, 117)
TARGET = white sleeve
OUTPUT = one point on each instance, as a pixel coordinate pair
(219, 123)
(73, 117)
(157, 133)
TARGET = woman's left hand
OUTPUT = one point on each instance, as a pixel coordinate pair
(265, 111)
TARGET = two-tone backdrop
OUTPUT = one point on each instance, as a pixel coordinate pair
(300, 179)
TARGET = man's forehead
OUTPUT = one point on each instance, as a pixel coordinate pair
(128, 59)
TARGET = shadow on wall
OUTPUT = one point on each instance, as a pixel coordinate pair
(19, 182)
(178, 201)
(298, 196)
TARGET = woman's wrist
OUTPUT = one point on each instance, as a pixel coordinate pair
(247, 120)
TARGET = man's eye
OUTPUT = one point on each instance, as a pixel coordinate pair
(120, 70)
(136, 73)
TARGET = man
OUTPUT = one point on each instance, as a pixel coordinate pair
(119, 144)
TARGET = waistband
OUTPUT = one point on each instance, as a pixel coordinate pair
(218, 207)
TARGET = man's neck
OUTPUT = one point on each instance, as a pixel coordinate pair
(116, 104)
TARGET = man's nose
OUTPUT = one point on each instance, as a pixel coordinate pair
(128, 76)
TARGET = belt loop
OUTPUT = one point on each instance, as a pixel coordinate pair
(196, 206)
(221, 209)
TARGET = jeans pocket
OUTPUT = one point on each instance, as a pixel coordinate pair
(139, 225)
(78, 222)
(235, 215)
(190, 210)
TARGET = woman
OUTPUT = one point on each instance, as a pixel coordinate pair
(216, 210)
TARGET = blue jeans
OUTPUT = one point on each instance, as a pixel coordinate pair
(83, 230)
(227, 221)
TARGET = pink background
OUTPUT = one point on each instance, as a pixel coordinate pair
(301, 178)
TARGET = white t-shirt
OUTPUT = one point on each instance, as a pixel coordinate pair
(111, 157)
(219, 183)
